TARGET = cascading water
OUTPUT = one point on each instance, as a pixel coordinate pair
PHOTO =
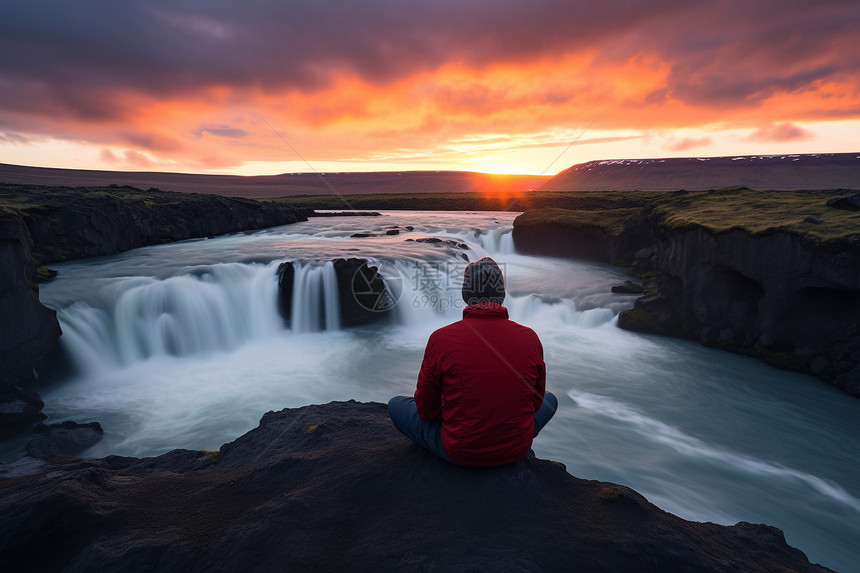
(215, 308)
(497, 241)
(315, 302)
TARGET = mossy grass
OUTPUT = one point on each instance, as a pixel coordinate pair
(759, 212)
(609, 220)
(25, 198)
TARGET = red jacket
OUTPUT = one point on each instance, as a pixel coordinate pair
(484, 377)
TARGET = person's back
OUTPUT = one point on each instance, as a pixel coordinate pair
(480, 397)
(491, 373)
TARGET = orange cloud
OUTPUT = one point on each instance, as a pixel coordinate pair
(690, 143)
(780, 132)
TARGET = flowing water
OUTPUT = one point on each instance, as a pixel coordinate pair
(182, 346)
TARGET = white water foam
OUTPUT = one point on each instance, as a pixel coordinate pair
(215, 308)
(687, 445)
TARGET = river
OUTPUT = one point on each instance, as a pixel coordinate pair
(182, 346)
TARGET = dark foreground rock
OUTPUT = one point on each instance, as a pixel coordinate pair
(337, 488)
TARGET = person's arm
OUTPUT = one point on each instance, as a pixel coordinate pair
(540, 380)
(428, 393)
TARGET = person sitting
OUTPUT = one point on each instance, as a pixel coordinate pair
(480, 398)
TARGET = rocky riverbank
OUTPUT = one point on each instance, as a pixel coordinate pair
(41, 225)
(29, 330)
(337, 488)
(769, 275)
(75, 222)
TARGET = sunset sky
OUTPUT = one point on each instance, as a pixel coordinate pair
(502, 86)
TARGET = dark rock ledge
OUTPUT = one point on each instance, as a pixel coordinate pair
(337, 488)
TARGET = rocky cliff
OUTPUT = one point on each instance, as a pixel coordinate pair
(338, 488)
(790, 300)
(612, 235)
(74, 222)
(789, 296)
(29, 330)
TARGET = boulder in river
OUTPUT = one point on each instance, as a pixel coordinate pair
(65, 439)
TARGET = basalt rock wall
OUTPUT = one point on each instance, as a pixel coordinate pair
(791, 300)
(73, 223)
(592, 242)
(29, 330)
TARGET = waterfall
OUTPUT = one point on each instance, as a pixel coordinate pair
(497, 241)
(216, 308)
(315, 302)
(221, 307)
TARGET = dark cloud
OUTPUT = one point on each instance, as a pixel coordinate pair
(150, 141)
(221, 131)
(14, 138)
(72, 59)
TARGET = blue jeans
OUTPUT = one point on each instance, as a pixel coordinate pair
(428, 435)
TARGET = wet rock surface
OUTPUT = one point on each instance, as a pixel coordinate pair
(65, 439)
(337, 487)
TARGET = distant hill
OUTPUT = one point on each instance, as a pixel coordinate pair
(779, 172)
(289, 184)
